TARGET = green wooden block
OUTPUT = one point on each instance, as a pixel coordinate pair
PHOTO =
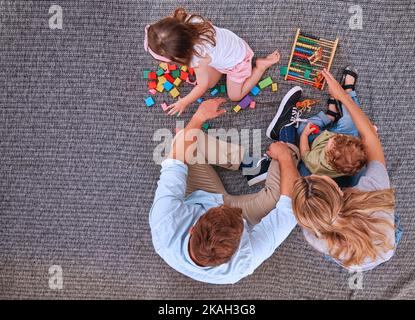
(145, 74)
(265, 83)
(160, 72)
(223, 89)
(307, 74)
(175, 73)
(205, 126)
(283, 71)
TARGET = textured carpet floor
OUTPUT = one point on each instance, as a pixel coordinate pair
(76, 142)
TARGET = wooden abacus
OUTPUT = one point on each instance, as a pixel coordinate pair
(309, 55)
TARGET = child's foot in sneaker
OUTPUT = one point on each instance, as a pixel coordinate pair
(251, 166)
(261, 174)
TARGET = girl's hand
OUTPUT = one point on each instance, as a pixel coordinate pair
(176, 108)
(209, 109)
(335, 89)
(309, 129)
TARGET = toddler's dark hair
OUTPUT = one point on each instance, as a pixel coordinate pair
(175, 37)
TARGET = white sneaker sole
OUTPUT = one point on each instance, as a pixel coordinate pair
(258, 179)
(281, 108)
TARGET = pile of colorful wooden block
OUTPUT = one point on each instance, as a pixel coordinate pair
(248, 101)
(168, 77)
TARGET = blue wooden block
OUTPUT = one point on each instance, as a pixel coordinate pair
(214, 92)
(149, 101)
(255, 90)
(200, 100)
(168, 86)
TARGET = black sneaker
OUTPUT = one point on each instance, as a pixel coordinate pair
(261, 175)
(285, 113)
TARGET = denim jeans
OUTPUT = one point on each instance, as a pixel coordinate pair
(345, 124)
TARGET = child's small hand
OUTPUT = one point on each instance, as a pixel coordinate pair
(176, 108)
(309, 129)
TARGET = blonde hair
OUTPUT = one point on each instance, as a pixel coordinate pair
(348, 154)
(345, 221)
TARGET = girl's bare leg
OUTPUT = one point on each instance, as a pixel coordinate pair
(236, 91)
(214, 76)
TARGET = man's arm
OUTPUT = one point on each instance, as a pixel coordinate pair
(273, 229)
(171, 187)
(207, 110)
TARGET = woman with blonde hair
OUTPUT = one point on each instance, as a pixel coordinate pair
(356, 226)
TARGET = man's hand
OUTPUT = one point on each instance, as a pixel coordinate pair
(209, 109)
(335, 89)
(279, 151)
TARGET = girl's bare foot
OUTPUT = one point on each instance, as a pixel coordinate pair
(268, 61)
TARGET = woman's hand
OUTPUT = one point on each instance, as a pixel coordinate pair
(176, 108)
(279, 151)
(335, 89)
(209, 109)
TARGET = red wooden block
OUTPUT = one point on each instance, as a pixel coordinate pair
(152, 85)
(169, 78)
(184, 75)
(152, 75)
(191, 71)
(172, 67)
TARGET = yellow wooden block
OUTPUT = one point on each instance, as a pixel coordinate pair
(237, 108)
(177, 82)
(274, 87)
(183, 68)
(161, 80)
(174, 92)
(160, 87)
(164, 66)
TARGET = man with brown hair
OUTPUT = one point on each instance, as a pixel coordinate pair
(202, 231)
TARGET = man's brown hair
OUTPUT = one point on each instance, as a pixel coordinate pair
(347, 155)
(216, 236)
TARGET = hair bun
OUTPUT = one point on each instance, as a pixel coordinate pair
(180, 14)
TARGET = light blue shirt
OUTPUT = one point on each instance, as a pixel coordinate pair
(172, 215)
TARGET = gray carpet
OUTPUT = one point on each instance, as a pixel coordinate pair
(76, 172)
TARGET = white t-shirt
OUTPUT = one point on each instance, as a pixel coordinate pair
(229, 51)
